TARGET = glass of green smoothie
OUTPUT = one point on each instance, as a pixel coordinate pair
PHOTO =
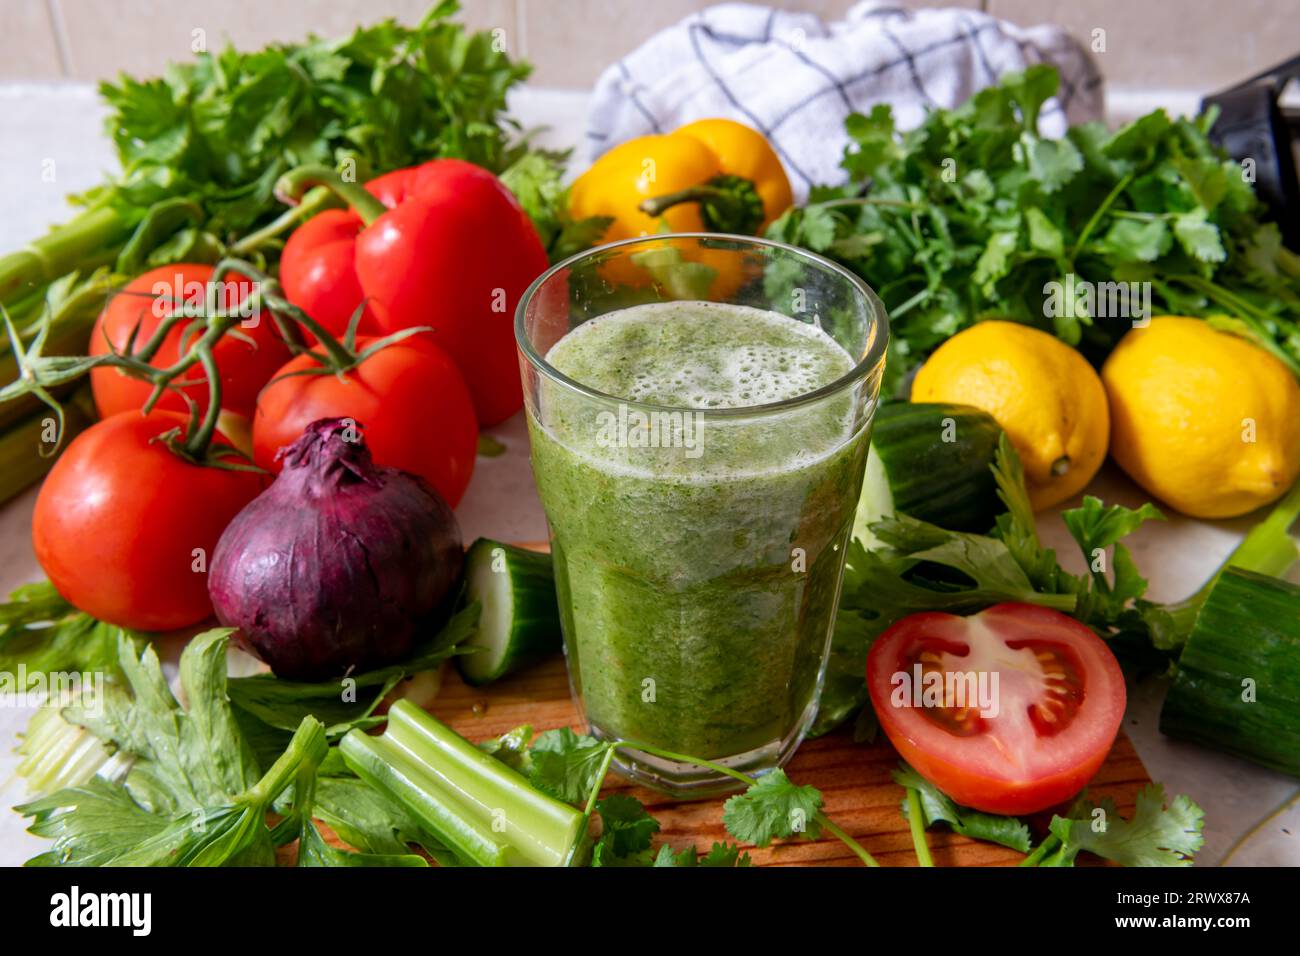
(699, 408)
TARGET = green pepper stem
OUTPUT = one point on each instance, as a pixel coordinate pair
(291, 186)
(727, 204)
(658, 205)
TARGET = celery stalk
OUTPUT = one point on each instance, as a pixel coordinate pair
(485, 811)
(57, 754)
(62, 250)
(21, 460)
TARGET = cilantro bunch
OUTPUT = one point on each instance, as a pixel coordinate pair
(973, 214)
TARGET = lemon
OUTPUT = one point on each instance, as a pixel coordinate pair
(1205, 421)
(1044, 394)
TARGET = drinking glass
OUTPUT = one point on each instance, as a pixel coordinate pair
(699, 552)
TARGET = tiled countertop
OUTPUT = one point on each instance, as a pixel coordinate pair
(58, 128)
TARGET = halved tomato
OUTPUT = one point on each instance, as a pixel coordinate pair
(1011, 710)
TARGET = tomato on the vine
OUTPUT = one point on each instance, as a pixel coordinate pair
(124, 526)
(409, 399)
(1032, 736)
(247, 356)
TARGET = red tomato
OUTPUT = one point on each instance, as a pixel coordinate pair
(247, 356)
(124, 527)
(409, 398)
(1057, 706)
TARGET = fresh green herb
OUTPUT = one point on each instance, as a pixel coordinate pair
(973, 215)
(349, 701)
(937, 807)
(298, 824)
(536, 179)
(210, 137)
(626, 831)
(726, 855)
(44, 634)
(132, 770)
(566, 765)
(102, 824)
(1156, 835)
(773, 808)
(191, 767)
(367, 819)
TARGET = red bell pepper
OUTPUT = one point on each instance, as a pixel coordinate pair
(443, 245)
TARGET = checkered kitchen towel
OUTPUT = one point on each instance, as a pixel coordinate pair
(795, 78)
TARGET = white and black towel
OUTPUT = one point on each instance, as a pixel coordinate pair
(794, 77)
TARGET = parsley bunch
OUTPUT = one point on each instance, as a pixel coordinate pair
(972, 214)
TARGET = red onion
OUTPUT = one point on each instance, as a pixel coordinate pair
(339, 564)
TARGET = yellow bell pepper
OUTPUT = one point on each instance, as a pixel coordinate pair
(713, 175)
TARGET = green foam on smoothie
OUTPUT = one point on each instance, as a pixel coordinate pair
(700, 355)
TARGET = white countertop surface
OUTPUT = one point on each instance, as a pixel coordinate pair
(40, 125)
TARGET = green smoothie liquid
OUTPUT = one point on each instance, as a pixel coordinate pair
(698, 555)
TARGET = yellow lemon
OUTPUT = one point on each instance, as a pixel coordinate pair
(1201, 419)
(1044, 394)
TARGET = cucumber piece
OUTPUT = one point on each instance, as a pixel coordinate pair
(1237, 686)
(931, 461)
(520, 618)
(877, 501)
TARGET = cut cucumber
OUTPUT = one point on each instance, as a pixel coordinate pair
(877, 500)
(1237, 687)
(520, 618)
(930, 461)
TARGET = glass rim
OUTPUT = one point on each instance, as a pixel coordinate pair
(872, 360)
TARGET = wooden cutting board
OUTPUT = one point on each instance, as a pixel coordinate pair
(854, 779)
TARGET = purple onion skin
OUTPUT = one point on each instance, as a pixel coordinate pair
(340, 564)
